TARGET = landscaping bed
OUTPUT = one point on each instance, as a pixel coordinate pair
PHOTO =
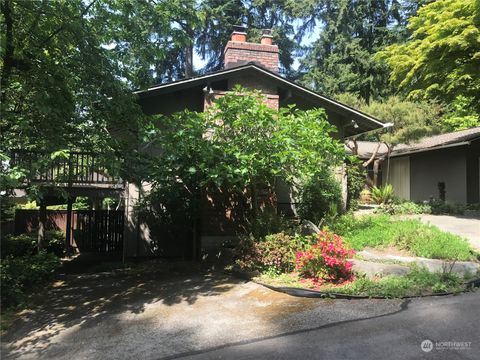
(418, 282)
(329, 263)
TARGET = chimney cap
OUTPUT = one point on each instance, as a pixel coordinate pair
(266, 32)
(239, 28)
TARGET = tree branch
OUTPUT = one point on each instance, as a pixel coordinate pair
(374, 155)
(56, 32)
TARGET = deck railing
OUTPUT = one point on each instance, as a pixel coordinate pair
(76, 168)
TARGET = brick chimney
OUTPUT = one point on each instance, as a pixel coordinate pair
(239, 52)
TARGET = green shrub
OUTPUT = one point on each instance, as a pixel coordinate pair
(440, 207)
(356, 175)
(405, 208)
(19, 245)
(18, 274)
(275, 253)
(319, 197)
(382, 195)
(26, 244)
(247, 254)
(412, 235)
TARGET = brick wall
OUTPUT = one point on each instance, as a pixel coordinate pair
(240, 53)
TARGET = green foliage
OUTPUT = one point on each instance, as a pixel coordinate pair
(239, 143)
(61, 89)
(26, 244)
(417, 282)
(411, 235)
(383, 194)
(266, 222)
(273, 254)
(356, 175)
(405, 208)
(320, 196)
(278, 252)
(341, 59)
(460, 115)
(440, 59)
(19, 274)
(411, 119)
(81, 203)
(440, 207)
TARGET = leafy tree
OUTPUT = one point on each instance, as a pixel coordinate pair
(441, 59)
(238, 143)
(151, 41)
(411, 120)
(60, 89)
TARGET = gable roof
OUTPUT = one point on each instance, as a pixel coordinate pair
(365, 121)
(456, 138)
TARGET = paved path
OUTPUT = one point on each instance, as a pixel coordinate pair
(170, 315)
(468, 228)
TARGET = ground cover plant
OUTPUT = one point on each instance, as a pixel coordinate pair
(418, 282)
(411, 235)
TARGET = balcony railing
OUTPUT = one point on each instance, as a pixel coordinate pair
(78, 168)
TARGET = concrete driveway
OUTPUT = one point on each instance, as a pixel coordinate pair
(157, 315)
(172, 314)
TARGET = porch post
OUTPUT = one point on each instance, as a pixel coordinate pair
(68, 230)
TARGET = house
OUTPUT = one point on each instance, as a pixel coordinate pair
(445, 167)
(253, 66)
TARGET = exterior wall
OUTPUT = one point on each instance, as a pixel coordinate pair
(399, 176)
(429, 168)
(239, 53)
(270, 99)
(473, 172)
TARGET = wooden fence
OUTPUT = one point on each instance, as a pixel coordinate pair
(92, 230)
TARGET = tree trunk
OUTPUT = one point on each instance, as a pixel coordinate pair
(42, 223)
(389, 151)
(189, 61)
(374, 155)
(376, 167)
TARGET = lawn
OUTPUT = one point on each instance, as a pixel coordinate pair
(410, 235)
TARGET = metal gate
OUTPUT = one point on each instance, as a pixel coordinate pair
(99, 231)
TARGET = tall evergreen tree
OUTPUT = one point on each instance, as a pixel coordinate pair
(351, 31)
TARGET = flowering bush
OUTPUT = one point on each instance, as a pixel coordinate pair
(326, 261)
(276, 252)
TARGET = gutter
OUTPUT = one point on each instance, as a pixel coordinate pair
(385, 126)
(429, 149)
